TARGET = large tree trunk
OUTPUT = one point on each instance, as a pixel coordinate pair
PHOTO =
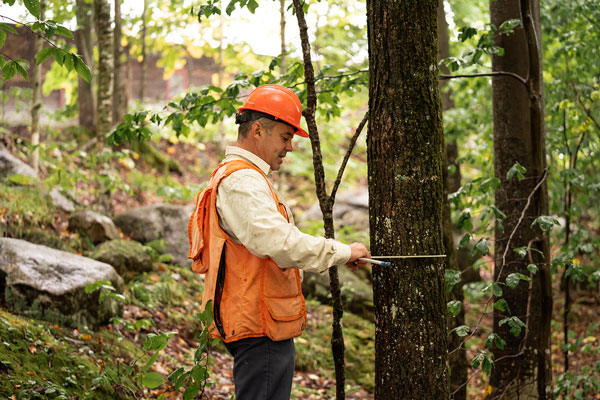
(105, 68)
(522, 368)
(83, 39)
(119, 98)
(282, 56)
(405, 200)
(36, 101)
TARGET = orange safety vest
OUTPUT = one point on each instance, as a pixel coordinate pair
(252, 296)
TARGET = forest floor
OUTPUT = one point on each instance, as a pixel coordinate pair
(315, 379)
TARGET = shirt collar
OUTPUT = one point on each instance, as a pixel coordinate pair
(232, 152)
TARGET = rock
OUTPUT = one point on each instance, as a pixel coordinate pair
(11, 165)
(357, 295)
(349, 209)
(99, 228)
(60, 201)
(128, 257)
(49, 284)
(160, 221)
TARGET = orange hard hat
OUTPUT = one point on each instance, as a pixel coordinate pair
(277, 102)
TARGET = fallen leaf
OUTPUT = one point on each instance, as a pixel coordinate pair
(32, 349)
(31, 373)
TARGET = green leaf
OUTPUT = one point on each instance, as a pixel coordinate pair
(495, 339)
(82, 70)
(496, 289)
(516, 325)
(464, 221)
(191, 391)
(464, 241)
(518, 170)
(452, 278)
(545, 222)
(152, 379)
(482, 246)
(151, 361)
(532, 268)
(34, 7)
(44, 54)
(502, 306)
(62, 31)
(9, 28)
(199, 373)
(522, 251)
(2, 37)
(454, 307)
(462, 330)
(509, 25)
(466, 32)
(68, 62)
(175, 374)
(9, 70)
(512, 280)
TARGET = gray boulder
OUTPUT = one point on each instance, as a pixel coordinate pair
(160, 221)
(350, 209)
(128, 257)
(357, 295)
(49, 284)
(60, 201)
(99, 228)
(11, 165)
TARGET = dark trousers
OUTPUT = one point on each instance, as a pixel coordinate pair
(262, 369)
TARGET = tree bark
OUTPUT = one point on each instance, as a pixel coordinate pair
(105, 68)
(522, 369)
(36, 101)
(406, 200)
(83, 39)
(144, 65)
(119, 97)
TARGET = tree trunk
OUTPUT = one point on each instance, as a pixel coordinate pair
(522, 368)
(105, 68)
(457, 355)
(83, 39)
(144, 64)
(119, 98)
(282, 56)
(36, 101)
(406, 199)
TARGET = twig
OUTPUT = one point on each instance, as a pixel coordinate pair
(353, 140)
(494, 73)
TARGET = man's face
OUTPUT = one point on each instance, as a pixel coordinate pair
(275, 144)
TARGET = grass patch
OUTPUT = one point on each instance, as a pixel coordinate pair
(313, 348)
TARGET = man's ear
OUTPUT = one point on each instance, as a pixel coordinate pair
(256, 129)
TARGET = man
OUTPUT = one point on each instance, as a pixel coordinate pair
(243, 238)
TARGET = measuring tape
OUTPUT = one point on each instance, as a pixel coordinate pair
(388, 263)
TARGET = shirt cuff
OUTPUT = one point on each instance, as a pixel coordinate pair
(343, 252)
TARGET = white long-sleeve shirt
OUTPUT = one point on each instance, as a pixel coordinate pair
(248, 214)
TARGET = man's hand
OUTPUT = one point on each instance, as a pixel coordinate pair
(358, 250)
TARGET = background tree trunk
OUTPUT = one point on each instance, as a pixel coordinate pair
(105, 68)
(119, 97)
(83, 39)
(282, 56)
(36, 101)
(405, 200)
(457, 356)
(144, 65)
(522, 369)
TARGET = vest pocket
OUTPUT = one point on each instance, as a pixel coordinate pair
(285, 308)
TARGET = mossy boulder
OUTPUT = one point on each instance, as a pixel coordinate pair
(97, 227)
(357, 293)
(11, 165)
(48, 284)
(160, 221)
(128, 257)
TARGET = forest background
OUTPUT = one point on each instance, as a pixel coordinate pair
(153, 154)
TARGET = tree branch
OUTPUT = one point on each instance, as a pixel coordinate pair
(494, 73)
(353, 140)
